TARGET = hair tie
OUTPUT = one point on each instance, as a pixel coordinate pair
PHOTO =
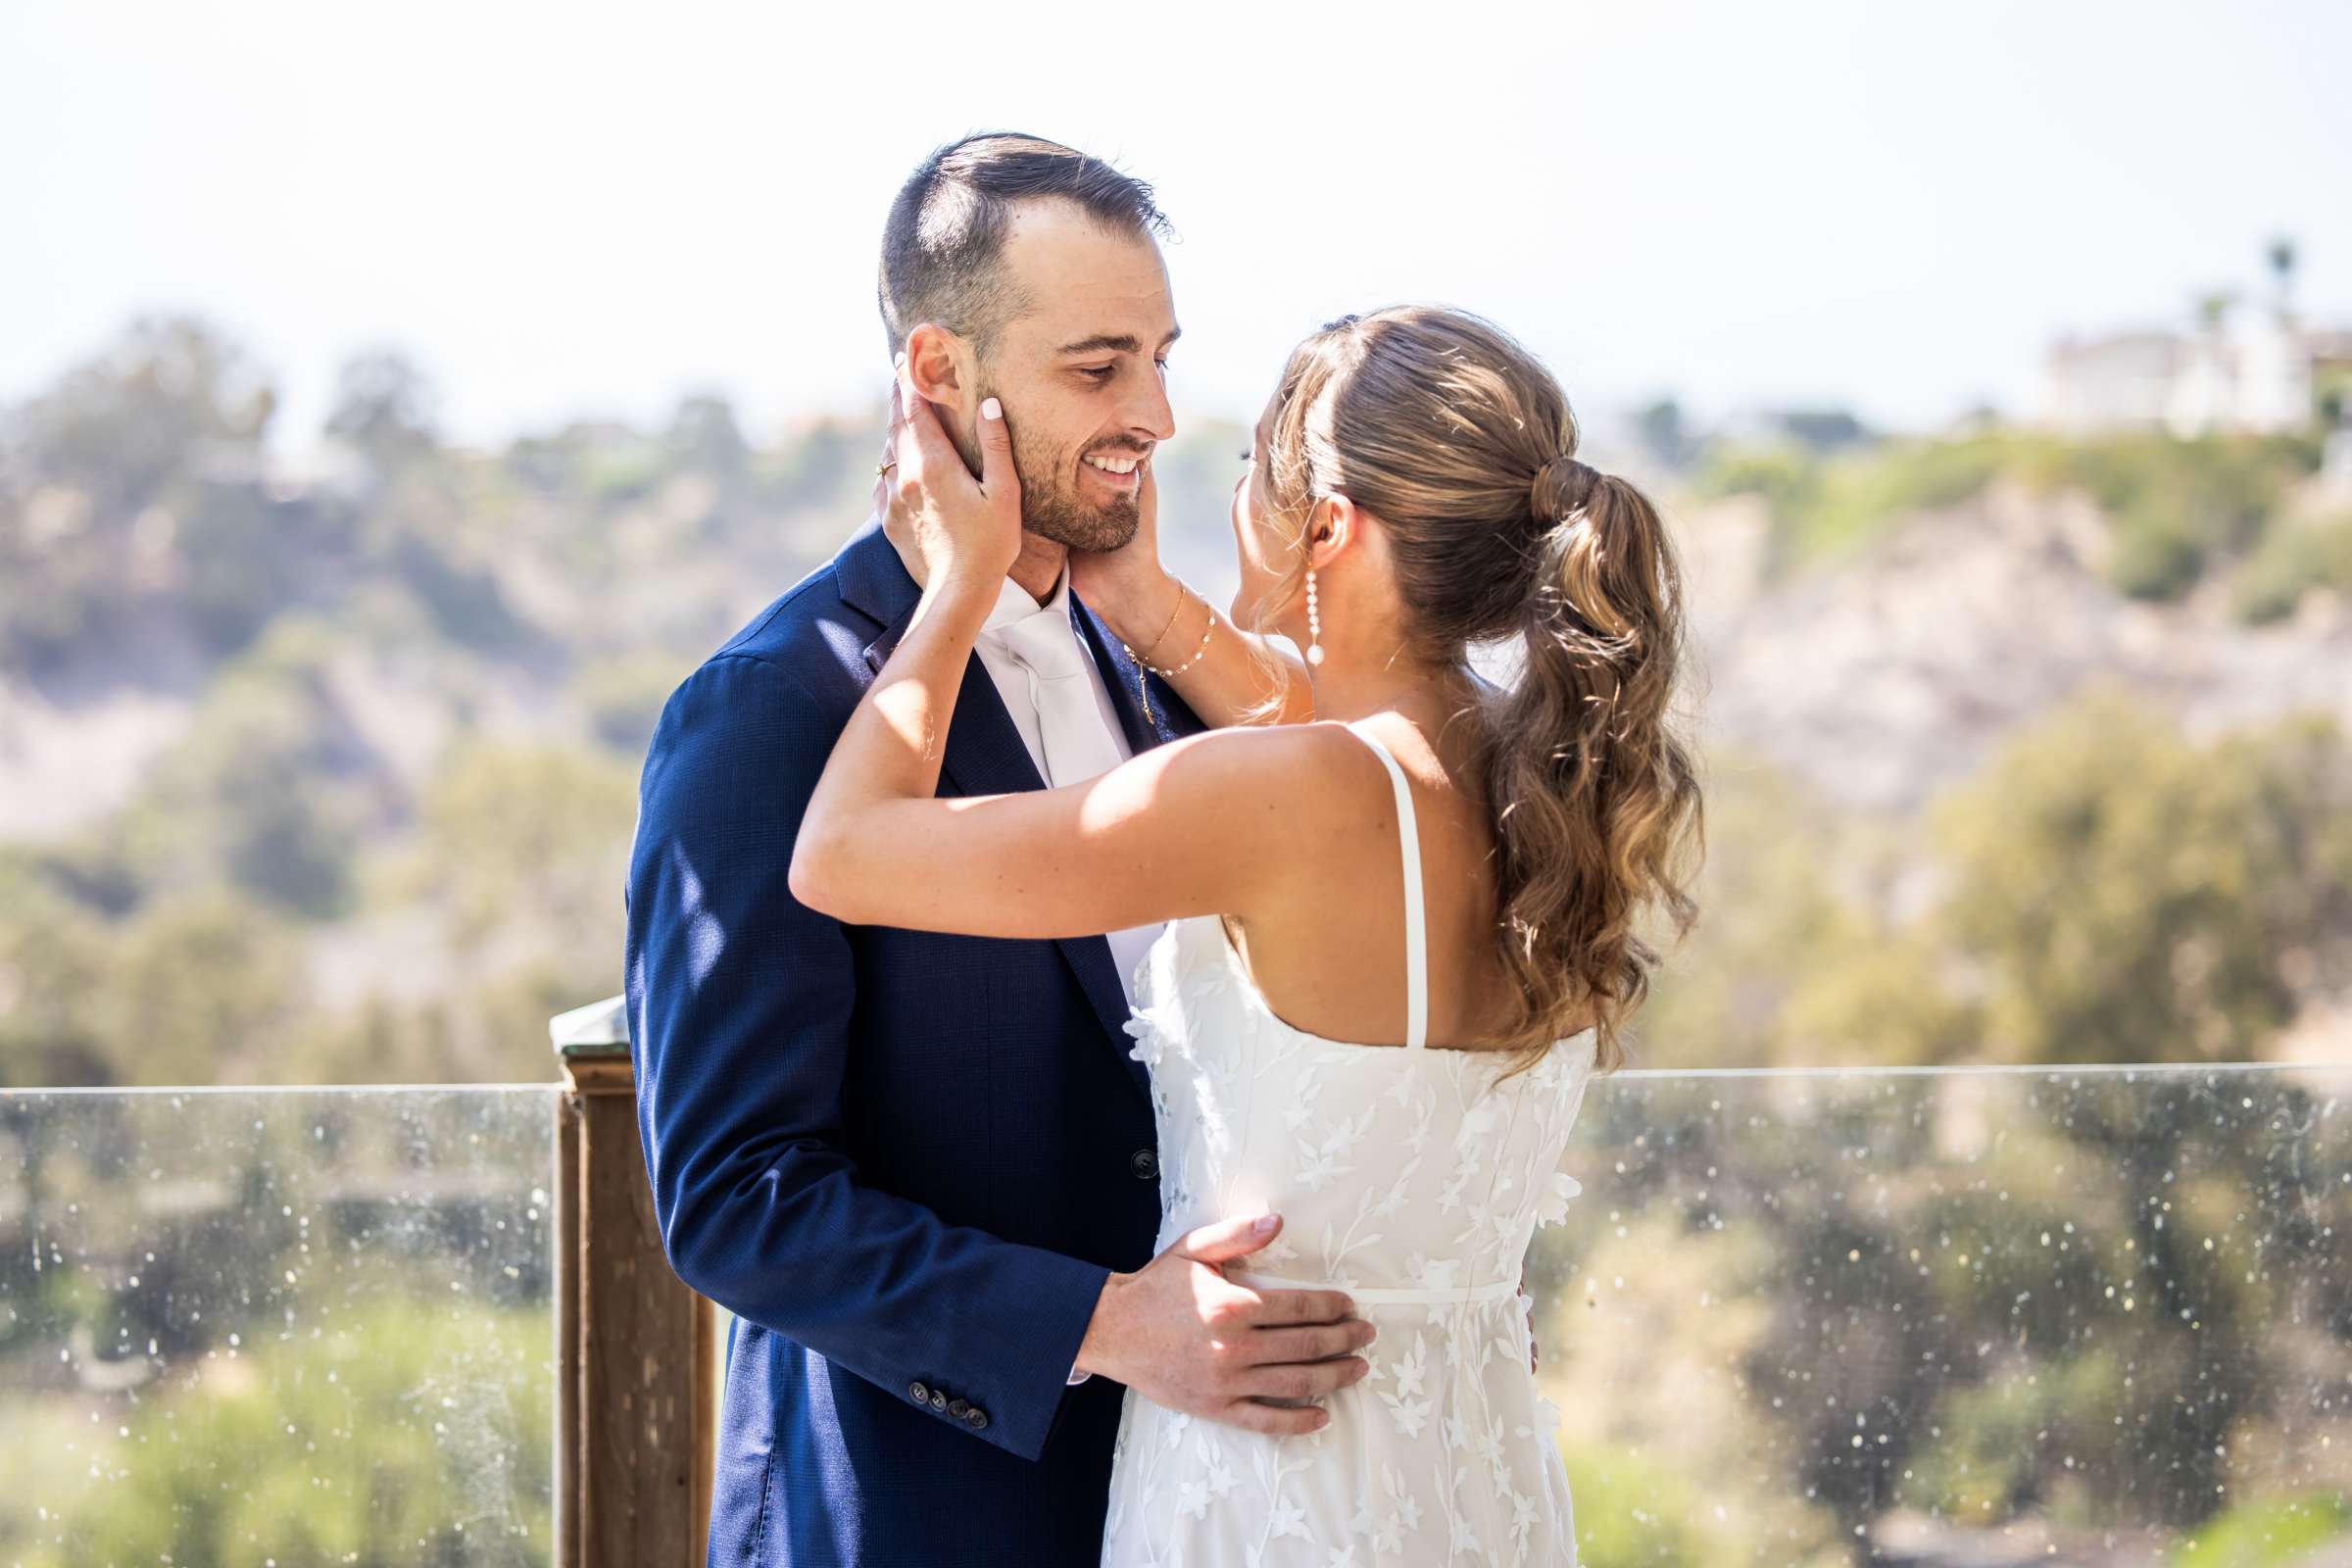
(1561, 488)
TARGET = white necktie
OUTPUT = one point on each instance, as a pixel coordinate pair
(1072, 732)
(1061, 677)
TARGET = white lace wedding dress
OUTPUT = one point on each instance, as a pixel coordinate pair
(1413, 1180)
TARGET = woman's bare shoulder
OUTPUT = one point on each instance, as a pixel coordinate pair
(1273, 756)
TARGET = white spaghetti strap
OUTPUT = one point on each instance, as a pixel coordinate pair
(1416, 940)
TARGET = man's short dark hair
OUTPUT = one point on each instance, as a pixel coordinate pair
(943, 247)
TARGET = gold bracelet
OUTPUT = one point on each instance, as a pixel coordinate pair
(1173, 613)
(1143, 689)
(1203, 647)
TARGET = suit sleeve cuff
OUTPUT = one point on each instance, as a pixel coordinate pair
(1063, 1316)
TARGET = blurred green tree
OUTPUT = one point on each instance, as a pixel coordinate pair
(703, 435)
(2129, 895)
(386, 406)
(104, 467)
(273, 789)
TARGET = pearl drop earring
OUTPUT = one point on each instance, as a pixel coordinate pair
(1314, 622)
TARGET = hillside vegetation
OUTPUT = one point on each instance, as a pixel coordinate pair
(329, 775)
(2179, 511)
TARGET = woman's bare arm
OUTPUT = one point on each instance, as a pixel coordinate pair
(1235, 671)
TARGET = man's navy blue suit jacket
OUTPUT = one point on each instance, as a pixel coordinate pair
(904, 1160)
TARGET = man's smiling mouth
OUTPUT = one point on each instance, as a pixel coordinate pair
(1113, 465)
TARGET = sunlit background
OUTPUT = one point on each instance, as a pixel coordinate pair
(396, 404)
(567, 211)
(395, 408)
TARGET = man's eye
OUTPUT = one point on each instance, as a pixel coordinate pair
(1099, 372)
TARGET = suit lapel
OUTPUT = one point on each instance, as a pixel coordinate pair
(985, 755)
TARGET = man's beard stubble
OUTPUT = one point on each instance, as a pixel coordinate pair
(1050, 506)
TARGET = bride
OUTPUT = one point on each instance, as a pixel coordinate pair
(1401, 902)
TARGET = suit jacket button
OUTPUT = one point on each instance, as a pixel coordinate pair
(1145, 1164)
(939, 1399)
(958, 1408)
(977, 1417)
(918, 1393)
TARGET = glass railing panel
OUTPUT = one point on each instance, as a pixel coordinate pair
(1976, 1316)
(1920, 1318)
(277, 1326)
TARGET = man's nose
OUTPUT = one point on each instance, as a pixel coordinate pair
(1146, 409)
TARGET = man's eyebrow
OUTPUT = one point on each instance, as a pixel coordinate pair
(1116, 343)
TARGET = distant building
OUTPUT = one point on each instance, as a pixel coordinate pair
(2126, 378)
(2247, 367)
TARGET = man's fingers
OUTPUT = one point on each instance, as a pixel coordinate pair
(1303, 1307)
(1229, 1238)
(1275, 1420)
(1319, 1341)
(1302, 1380)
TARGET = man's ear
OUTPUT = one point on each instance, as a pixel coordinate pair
(942, 365)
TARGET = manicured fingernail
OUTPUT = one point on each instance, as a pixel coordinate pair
(990, 408)
(1265, 1222)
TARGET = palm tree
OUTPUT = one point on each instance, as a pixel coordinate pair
(2281, 254)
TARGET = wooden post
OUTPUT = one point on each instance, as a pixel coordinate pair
(637, 1391)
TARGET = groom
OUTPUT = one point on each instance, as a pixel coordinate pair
(919, 1168)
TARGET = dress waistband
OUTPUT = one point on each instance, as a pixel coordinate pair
(1450, 1296)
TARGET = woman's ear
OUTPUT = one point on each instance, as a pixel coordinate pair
(1331, 528)
(942, 365)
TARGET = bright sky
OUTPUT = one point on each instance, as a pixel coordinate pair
(566, 210)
